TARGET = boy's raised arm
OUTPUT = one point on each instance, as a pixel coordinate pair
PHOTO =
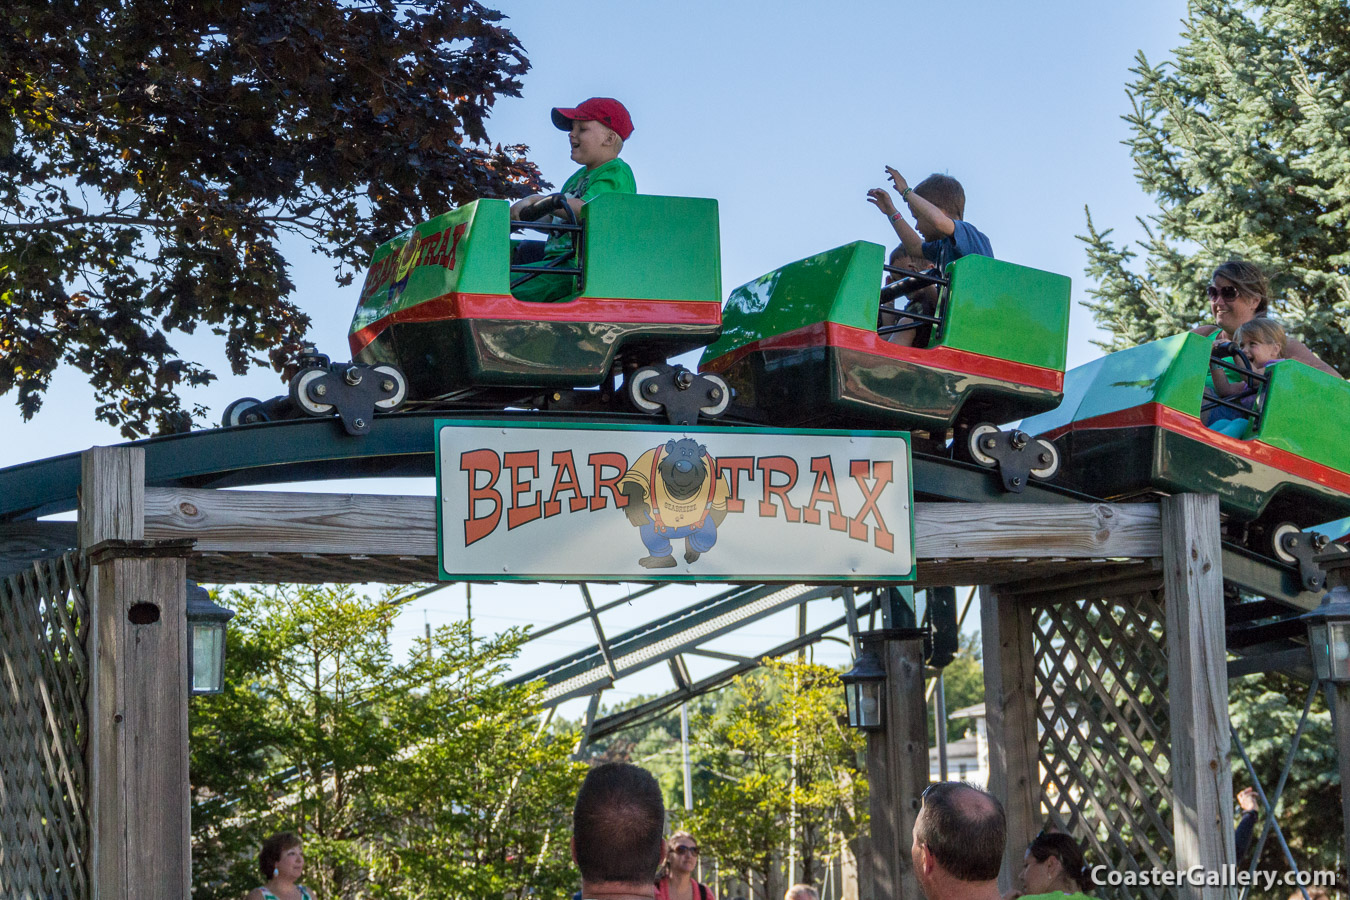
(910, 240)
(921, 208)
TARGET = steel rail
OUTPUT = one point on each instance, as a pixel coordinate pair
(399, 445)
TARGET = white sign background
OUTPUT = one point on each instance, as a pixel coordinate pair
(598, 543)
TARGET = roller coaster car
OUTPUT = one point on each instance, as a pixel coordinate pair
(800, 347)
(437, 301)
(1131, 424)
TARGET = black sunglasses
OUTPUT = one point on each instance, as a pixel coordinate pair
(692, 851)
(1227, 292)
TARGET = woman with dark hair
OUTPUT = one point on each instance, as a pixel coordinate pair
(676, 881)
(281, 861)
(1239, 292)
(1054, 865)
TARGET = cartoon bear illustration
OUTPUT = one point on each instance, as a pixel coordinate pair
(675, 491)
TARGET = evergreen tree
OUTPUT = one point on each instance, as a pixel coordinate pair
(1241, 141)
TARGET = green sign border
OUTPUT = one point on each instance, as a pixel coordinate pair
(907, 578)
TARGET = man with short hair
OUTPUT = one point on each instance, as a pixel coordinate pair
(617, 827)
(801, 892)
(958, 843)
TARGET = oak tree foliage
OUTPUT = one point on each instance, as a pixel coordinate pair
(154, 154)
(1240, 140)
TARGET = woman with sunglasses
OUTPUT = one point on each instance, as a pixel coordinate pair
(1054, 868)
(1238, 292)
(676, 881)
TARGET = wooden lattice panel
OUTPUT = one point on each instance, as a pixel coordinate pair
(1101, 696)
(44, 681)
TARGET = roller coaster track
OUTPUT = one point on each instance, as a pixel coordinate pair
(402, 445)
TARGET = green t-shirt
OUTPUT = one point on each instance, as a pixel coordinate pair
(584, 184)
(1056, 895)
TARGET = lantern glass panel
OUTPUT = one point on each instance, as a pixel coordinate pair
(851, 698)
(1338, 643)
(208, 657)
(869, 705)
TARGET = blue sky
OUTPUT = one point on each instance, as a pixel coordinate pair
(786, 113)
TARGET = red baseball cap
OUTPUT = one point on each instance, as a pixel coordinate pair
(605, 110)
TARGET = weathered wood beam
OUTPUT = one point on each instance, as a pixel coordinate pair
(138, 715)
(1010, 707)
(897, 761)
(1003, 530)
(377, 525)
(1197, 688)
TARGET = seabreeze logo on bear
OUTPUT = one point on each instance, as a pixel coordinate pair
(642, 502)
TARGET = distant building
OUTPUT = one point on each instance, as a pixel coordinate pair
(967, 758)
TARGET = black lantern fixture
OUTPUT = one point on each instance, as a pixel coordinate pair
(206, 641)
(865, 689)
(1329, 636)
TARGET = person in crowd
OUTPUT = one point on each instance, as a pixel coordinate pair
(958, 843)
(1314, 893)
(921, 298)
(801, 892)
(1250, 804)
(1054, 866)
(1239, 292)
(282, 862)
(616, 832)
(938, 204)
(676, 879)
(1263, 342)
(596, 130)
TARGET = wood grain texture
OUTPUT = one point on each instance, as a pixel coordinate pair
(142, 843)
(1197, 684)
(897, 761)
(1010, 716)
(1001, 530)
(1338, 701)
(112, 494)
(277, 522)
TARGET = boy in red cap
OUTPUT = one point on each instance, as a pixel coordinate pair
(596, 129)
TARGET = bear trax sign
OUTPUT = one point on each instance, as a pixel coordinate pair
(665, 503)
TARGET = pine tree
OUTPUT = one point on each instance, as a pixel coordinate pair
(1242, 142)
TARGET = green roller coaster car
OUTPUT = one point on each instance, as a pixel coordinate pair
(437, 299)
(801, 348)
(1131, 424)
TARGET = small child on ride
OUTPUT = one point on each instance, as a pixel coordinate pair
(1263, 342)
(922, 299)
(937, 204)
(596, 129)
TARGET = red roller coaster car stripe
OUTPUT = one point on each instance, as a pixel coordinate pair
(583, 309)
(861, 339)
(1155, 414)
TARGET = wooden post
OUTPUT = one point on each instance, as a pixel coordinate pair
(1338, 701)
(1197, 687)
(897, 772)
(141, 840)
(1010, 718)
